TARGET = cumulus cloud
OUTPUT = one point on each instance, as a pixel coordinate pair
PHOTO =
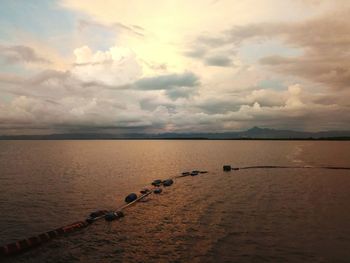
(117, 66)
(267, 97)
(21, 54)
(103, 90)
(324, 41)
(293, 113)
(143, 84)
(294, 100)
(65, 104)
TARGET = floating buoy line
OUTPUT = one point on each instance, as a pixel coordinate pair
(35, 241)
(157, 188)
(228, 168)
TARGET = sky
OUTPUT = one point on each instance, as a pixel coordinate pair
(115, 66)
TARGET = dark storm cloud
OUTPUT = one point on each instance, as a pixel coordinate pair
(175, 85)
(169, 81)
(20, 53)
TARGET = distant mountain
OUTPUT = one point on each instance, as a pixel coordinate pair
(265, 133)
(253, 133)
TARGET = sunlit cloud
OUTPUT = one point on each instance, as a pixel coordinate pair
(183, 66)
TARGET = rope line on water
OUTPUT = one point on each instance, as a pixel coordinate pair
(229, 168)
(296, 167)
(131, 199)
(136, 200)
(35, 241)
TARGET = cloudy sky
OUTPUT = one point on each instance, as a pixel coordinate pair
(173, 65)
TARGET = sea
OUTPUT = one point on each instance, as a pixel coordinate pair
(246, 215)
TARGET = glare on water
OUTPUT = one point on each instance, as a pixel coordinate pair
(241, 216)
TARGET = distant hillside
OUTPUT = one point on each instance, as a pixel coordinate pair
(253, 133)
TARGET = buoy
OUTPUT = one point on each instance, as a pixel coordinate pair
(21, 245)
(113, 215)
(98, 213)
(157, 190)
(157, 182)
(131, 197)
(24, 244)
(144, 191)
(227, 168)
(95, 215)
(70, 228)
(168, 182)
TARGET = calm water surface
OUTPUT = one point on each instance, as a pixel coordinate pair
(276, 215)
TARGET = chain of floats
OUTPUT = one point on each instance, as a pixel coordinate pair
(26, 244)
(228, 168)
(32, 242)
